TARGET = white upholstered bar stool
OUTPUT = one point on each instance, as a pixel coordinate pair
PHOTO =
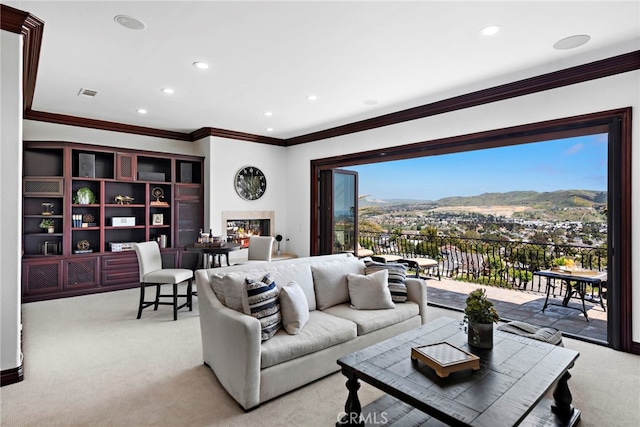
(152, 274)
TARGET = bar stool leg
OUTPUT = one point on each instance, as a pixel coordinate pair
(175, 301)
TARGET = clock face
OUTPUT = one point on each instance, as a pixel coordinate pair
(250, 183)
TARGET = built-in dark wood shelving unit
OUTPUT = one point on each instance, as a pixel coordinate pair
(77, 258)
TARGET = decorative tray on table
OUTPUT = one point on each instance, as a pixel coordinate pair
(445, 358)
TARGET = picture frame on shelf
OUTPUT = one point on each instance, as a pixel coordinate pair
(157, 219)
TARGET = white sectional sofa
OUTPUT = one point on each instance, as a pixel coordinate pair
(254, 371)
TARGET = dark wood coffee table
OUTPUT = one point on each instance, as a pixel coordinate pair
(508, 390)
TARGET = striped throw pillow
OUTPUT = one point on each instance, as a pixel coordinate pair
(397, 276)
(260, 300)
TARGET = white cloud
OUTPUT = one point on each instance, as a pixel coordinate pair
(574, 149)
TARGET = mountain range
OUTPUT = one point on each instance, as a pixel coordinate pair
(534, 199)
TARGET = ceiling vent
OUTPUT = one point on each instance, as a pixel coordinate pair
(88, 93)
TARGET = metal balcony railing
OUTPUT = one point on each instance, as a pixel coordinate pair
(493, 262)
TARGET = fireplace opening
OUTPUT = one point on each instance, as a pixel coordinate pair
(240, 230)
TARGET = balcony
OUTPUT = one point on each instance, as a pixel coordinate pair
(505, 269)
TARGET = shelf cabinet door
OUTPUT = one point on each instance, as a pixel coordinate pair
(42, 276)
(189, 220)
(81, 273)
(125, 167)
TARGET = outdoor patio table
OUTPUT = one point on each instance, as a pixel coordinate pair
(575, 283)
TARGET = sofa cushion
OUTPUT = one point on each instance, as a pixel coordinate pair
(372, 320)
(321, 331)
(397, 277)
(370, 292)
(229, 286)
(261, 301)
(299, 273)
(293, 307)
(234, 288)
(216, 280)
(330, 281)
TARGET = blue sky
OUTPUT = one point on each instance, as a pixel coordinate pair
(564, 164)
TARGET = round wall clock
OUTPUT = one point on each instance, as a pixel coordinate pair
(250, 183)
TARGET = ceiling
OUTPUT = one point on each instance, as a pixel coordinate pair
(360, 59)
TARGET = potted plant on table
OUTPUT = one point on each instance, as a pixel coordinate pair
(47, 224)
(480, 315)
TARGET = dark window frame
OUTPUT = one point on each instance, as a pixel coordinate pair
(617, 123)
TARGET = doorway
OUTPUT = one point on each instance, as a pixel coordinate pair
(616, 124)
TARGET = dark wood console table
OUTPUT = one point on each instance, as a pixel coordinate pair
(211, 249)
(508, 390)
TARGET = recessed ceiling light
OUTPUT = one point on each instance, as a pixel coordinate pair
(130, 22)
(167, 90)
(269, 129)
(571, 42)
(141, 111)
(201, 65)
(268, 113)
(370, 101)
(490, 30)
(312, 97)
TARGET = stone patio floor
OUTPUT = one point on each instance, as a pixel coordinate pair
(526, 306)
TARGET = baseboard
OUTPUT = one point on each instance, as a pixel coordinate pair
(11, 376)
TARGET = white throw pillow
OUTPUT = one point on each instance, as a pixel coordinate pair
(330, 281)
(370, 292)
(293, 308)
(234, 288)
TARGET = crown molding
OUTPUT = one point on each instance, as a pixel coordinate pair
(12, 19)
(31, 28)
(63, 119)
(578, 74)
(231, 134)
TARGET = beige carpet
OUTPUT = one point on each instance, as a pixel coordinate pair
(89, 362)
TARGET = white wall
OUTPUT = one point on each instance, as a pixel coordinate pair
(10, 198)
(598, 95)
(229, 156)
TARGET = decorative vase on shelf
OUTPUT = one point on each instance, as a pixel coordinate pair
(480, 315)
(51, 230)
